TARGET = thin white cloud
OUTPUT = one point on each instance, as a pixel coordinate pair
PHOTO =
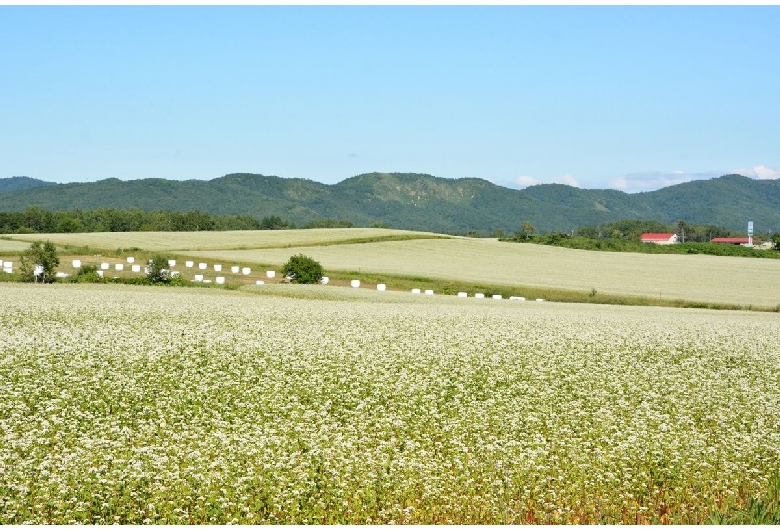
(760, 172)
(525, 181)
(653, 180)
(568, 180)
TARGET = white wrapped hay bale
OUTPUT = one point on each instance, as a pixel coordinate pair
(104, 266)
(497, 297)
(463, 295)
(234, 269)
(189, 264)
(518, 298)
(217, 267)
(540, 299)
(136, 268)
(198, 278)
(220, 280)
(479, 295)
(355, 283)
(171, 262)
(324, 280)
(130, 259)
(259, 282)
(270, 274)
(381, 287)
(246, 270)
(415, 291)
(76, 263)
(203, 266)
(119, 267)
(429, 292)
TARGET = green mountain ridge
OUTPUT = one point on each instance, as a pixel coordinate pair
(22, 183)
(416, 201)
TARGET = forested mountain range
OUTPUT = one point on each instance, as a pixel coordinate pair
(22, 183)
(416, 201)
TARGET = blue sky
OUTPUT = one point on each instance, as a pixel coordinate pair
(631, 97)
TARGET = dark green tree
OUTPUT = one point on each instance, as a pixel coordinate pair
(158, 269)
(525, 232)
(302, 269)
(683, 230)
(273, 222)
(41, 257)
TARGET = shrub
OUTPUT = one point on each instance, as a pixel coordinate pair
(41, 256)
(302, 269)
(88, 274)
(158, 269)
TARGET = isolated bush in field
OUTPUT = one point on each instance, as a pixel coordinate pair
(88, 274)
(158, 269)
(39, 254)
(302, 269)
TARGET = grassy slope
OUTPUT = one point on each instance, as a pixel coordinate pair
(11, 247)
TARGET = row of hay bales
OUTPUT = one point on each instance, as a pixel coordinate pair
(236, 269)
(270, 274)
(132, 266)
(383, 287)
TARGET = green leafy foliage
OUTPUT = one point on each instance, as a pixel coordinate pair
(158, 269)
(37, 220)
(329, 223)
(43, 255)
(302, 269)
(757, 510)
(88, 273)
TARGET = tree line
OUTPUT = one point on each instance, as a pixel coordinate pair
(625, 236)
(38, 220)
(632, 230)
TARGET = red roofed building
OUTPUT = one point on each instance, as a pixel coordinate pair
(660, 239)
(730, 240)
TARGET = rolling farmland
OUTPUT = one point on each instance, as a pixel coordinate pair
(726, 280)
(688, 277)
(160, 405)
(12, 248)
(234, 239)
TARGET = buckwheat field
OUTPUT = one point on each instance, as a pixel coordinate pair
(160, 405)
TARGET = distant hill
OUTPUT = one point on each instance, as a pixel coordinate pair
(22, 183)
(418, 202)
